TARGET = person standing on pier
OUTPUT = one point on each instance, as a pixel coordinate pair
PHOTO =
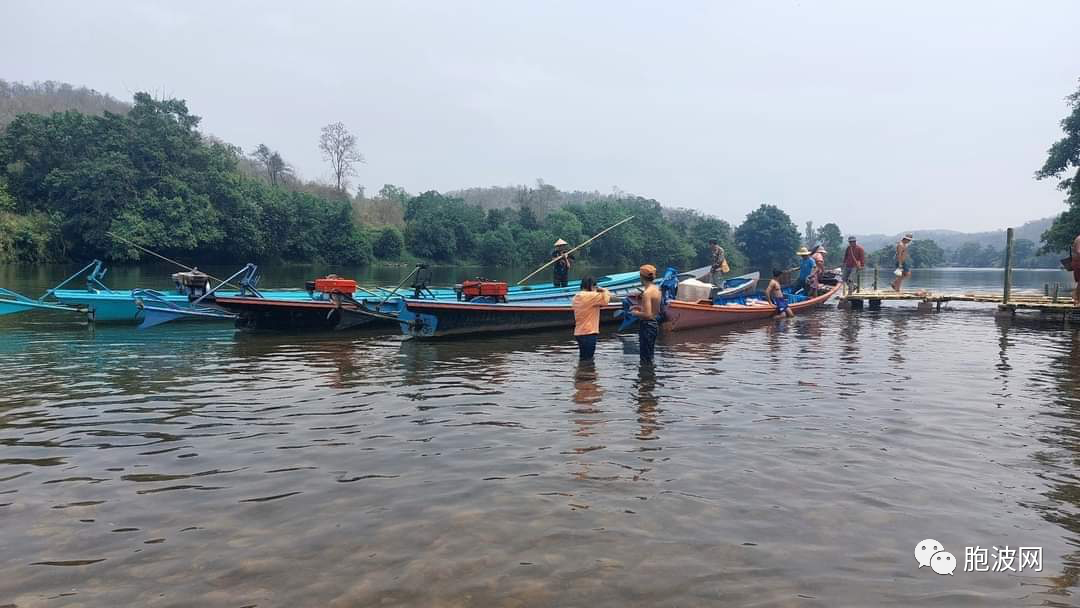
(854, 260)
(562, 264)
(903, 266)
(587, 304)
(719, 262)
(647, 313)
(1075, 255)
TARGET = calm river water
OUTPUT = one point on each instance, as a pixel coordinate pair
(788, 463)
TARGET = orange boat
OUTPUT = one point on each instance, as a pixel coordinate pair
(690, 315)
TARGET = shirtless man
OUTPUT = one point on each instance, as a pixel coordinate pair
(775, 295)
(648, 328)
(902, 262)
(1076, 269)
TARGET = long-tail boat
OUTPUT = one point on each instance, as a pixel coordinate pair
(102, 304)
(345, 309)
(423, 318)
(681, 316)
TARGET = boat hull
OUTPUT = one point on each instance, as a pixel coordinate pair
(122, 306)
(297, 315)
(432, 319)
(681, 316)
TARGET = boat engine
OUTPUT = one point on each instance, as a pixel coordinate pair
(193, 284)
(490, 291)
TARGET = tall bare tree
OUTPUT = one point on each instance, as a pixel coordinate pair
(339, 148)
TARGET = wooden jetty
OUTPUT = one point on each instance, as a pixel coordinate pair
(1008, 302)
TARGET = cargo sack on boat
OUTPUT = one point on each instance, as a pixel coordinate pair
(693, 290)
(829, 278)
(480, 288)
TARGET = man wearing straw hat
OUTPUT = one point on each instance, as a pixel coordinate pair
(806, 268)
(903, 265)
(562, 264)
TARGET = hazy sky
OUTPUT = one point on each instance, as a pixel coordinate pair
(878, 116)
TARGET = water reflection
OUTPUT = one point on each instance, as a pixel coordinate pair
(503, 471)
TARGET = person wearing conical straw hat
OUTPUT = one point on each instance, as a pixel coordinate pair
(903, 263)
(806, 267)
(562, 265)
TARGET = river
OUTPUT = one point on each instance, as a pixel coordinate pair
(786, 463)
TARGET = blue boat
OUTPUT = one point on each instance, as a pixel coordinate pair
(344, 311)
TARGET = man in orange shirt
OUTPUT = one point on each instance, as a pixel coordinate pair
(587, 304)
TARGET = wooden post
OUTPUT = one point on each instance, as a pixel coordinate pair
(1056, 287)
(1008, 265)
(875, 276)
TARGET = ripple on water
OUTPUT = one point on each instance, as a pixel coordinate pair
(782, 463)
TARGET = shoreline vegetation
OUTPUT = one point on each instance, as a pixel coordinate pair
(76, 165)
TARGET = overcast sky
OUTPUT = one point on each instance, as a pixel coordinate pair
(879, 116)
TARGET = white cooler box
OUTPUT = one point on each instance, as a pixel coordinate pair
(693, 290)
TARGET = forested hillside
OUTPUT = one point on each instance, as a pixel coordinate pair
(49, 96)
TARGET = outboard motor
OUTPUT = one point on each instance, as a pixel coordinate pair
(193, 284)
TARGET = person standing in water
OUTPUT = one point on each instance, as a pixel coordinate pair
(774, 293)
(903, 265)
(587, 304)
(562, 263)
(647, 313)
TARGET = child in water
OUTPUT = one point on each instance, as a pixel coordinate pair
(775, 295)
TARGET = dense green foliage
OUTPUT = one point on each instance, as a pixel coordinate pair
(769, 238)
(1025, 255)
(1063, 162)
(389, 245)
(152, 178)
(446, 228)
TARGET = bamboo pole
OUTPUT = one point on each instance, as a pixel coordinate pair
(1008, 265)
(171, 261)
(555, 259)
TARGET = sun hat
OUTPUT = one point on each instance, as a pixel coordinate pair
(560, 242)
(802, 251)
(851, 239)
(909, 237)
(648, 270)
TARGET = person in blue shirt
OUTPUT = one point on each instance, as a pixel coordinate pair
(806, 266)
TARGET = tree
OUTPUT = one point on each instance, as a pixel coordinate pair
(389, 244)
(277, 168)
(497, 247)
(830, 236)
(968, 255)
(1063, 158)
(262, 155)
(339, 149)
(768, 237)
(808, 236)
(926, 253)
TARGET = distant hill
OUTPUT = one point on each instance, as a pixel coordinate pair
(952, 239)
(49, 96)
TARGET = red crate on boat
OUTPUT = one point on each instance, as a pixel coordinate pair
(477, 289)
(335, 285)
